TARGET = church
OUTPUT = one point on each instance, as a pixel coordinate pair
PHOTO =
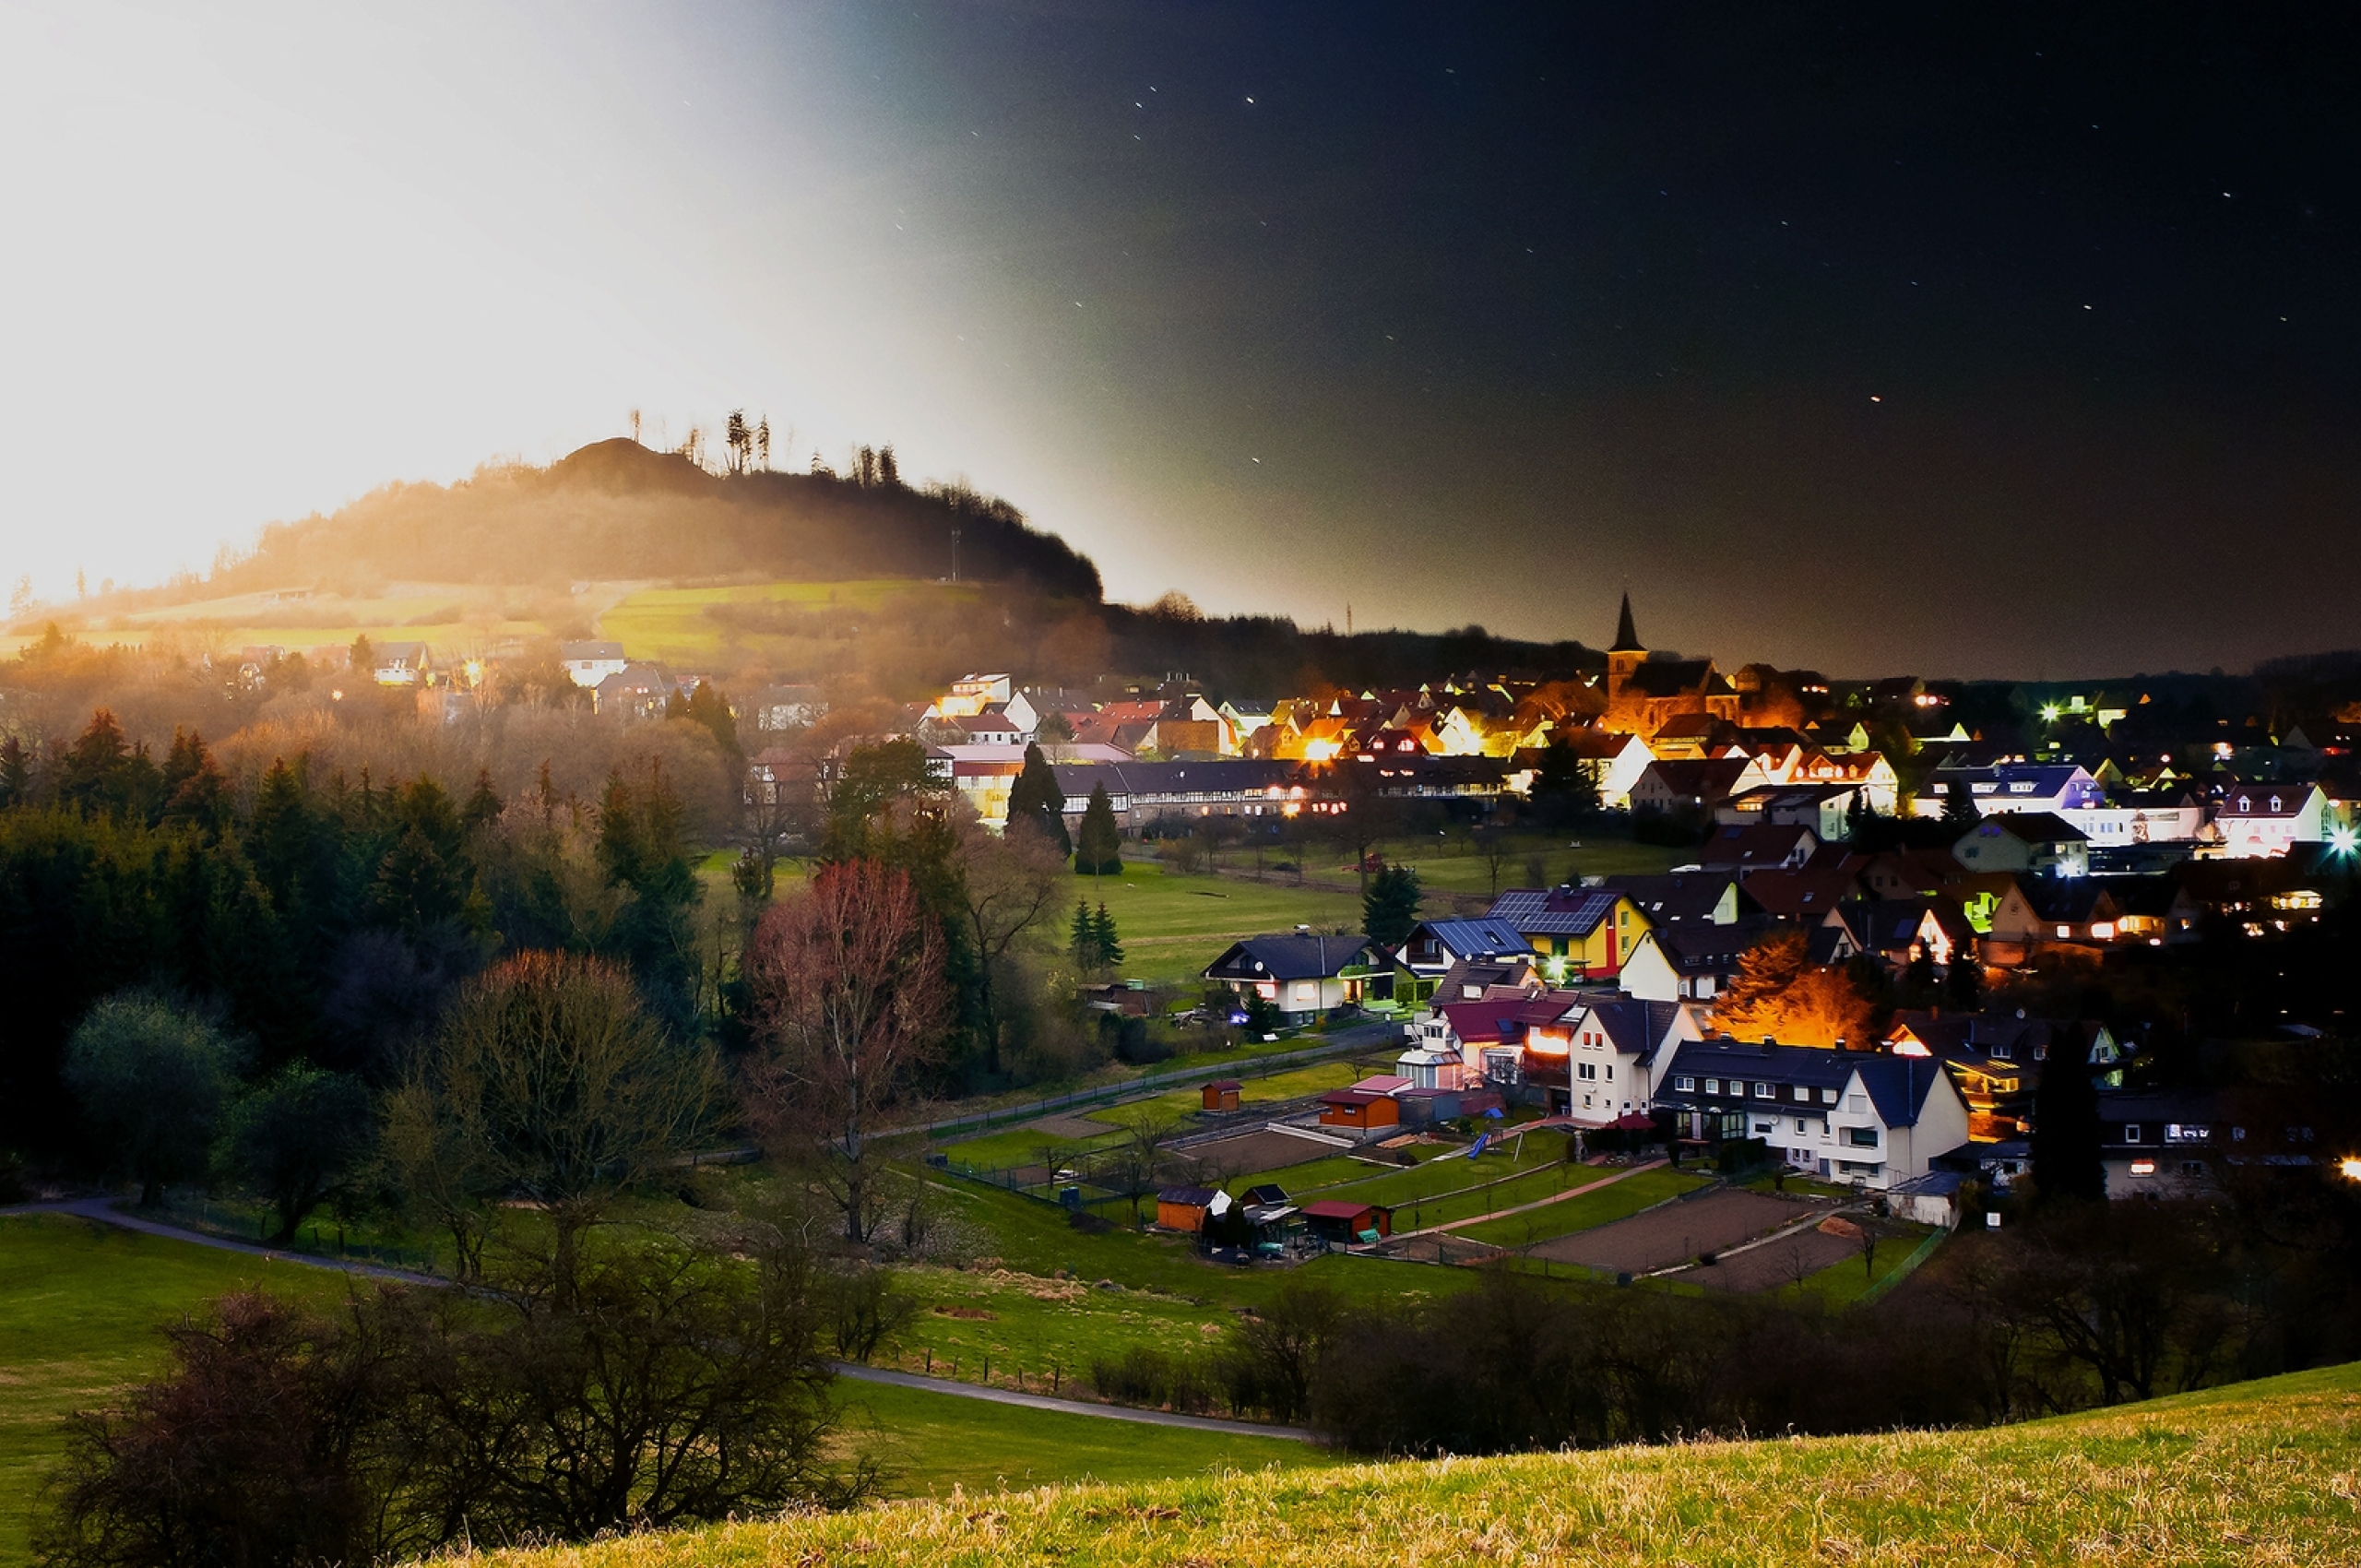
(1645, 694)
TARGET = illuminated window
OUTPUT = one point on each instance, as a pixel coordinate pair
(2143, 1168)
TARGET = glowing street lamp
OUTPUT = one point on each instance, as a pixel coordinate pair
(2345, 841)
(2351, 1169)
(2050, 712)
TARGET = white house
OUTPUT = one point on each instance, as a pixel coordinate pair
(1843, 1115)
(2257, 820)
(1612, 1052)
(2013, 787)
(588, 664)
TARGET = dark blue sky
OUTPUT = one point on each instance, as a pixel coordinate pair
(1958, 337)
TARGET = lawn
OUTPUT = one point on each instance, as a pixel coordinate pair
(1620, 1201)
(1026, 1330)
(931, 1442)
(80, 1306)
(1451, 866)
(2260, 1473)
(1172, 926)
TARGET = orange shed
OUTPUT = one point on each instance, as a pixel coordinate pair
(1222, 1095)
(1358, 1108)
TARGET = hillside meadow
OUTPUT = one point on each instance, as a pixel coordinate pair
(2260, 1473)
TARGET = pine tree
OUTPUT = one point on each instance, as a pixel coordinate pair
(1108, 946)
(1099, 846)
(364, 658)
(1082, 939)
(1390, 907)
(16, 774)
(484, 805)
(1036, 801)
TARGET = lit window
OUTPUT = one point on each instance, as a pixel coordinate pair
(2143, 1168)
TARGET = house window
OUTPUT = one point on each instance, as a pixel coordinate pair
(1803, 1095)
(1828, 1097)
(1713, 1086)
(2185, 1132)
(1684, 1085)
(2131, 1132)
(1861, 1137)
(1802, 1126)
(1858, 1104)
(2143, 1168)
(1762, 1091)
(1762, 1128)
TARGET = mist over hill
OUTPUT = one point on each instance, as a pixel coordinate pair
(617, 509)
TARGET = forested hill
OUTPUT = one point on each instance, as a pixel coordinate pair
(616, 509)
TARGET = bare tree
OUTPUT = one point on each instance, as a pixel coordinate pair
(849, 1007)
(1493, 847)
(1137, 1166)
(1010, 884)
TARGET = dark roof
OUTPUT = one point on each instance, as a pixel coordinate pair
(1748, 849)
(1898, 1085)
(1711, 949)
(2034, 828)
(1469, 938)
(1677, 678)
(1228, 777)
(1355, 1098)
(1288, 958)
(1677, 897)
(1336, 1208)
(1193, 1197)
(1890, 925)
(1706, 780)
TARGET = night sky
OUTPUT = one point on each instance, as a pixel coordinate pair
(1951, 339)
(1941, 339)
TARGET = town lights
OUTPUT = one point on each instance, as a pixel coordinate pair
(2050, 712)
(2345, 841)
(2350, 1168)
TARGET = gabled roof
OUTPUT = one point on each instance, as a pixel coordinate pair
(1555, 911)
(1891, 925)
(1288, 958)
(1676, 898)
(1897, 1085)
(1678, 678)
(1478, 936)
(2031, 827)
(1793, 895)
(1751, 848)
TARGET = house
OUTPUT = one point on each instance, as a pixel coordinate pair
(402, 664)
(637, 691)
(1846, 1116)
(588, 663)
(1359, 1110)
(1994, 1062)
(2039, 842)
(1241, 722)
(1343, 1222)
(2258, 821)
(1611, 1050)
(1680, 898)
(1743, 850)
(1142, 792)
(1931, 1199)
(1691, 963)
(1220, 1095)
(1911, 874)
(2013, 787)
(1305, 975)
(1892, 930)
(1433, 947)
(1188, 1208)
(784, 707)
(1579, 933)
(1826, 809)
(1617, 760)
(2163, 1144)
(1803, 895)
(970, 695)
(1687, 788)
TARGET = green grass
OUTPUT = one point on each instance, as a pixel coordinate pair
(1172, 926)
(672, 624)
(1842, 1284)
(1620, 1201)
(1030, 1327)
(1452, 867)
(931, 1442)
(80, 1306)
(2258, 1474)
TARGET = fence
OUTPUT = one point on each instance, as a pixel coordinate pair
(1909, 1267)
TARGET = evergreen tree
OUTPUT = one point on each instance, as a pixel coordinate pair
(1035, 801)
(1390, 907)
(193, 788)
(643, 855)
(16, 774)
(1082, 938)
(483, 806)
(1960, 815)
(95, 774)
(1565, 787)
(708, 708)
(1104, 943)
(2066, 1163)
(363, 658)
(1098, 849)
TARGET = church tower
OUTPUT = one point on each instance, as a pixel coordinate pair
(1623, 660)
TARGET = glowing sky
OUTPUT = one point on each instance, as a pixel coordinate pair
(1941, 341)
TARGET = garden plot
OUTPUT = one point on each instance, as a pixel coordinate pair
(1258, 1150)
(1782, 1263)
(1678, 1231)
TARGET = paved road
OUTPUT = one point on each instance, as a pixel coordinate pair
(103, 1211)
(860, 1373)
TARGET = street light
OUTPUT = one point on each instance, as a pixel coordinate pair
(2350, 1168)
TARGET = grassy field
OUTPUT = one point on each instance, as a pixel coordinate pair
(934, 1443)
(1173, 926)
(671, 623)
(80, 1306)
(1029, 1330)
(2262, 1473)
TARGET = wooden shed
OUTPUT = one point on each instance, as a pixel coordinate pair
(1185, 1208)
(1222, 1095)
(1358, 1109)
(1344, 1221)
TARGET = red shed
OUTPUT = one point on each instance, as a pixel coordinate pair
(1339, 1220)
(1358, 1108)
(1222, 1095)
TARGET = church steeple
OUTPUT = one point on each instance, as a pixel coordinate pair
(1626, 640)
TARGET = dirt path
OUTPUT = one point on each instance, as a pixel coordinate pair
(102, 1211)
(860, 1373)
(1525, 1209)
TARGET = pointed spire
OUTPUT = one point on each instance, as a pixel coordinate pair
(1625, 639)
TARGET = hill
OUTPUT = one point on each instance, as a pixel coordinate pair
(615, 509)
(2260, 1473)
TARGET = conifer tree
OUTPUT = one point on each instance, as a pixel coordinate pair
(1082, 938)
(1108, 945)
(1099, 848)
(1390, 907)
(1036, 801)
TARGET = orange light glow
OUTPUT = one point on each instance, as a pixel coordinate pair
(1542, 1043)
